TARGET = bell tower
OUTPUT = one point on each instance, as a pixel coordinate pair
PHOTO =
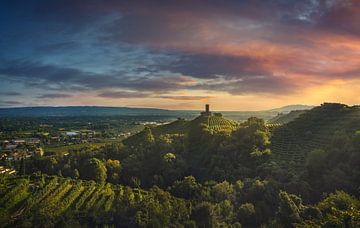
(207, 111)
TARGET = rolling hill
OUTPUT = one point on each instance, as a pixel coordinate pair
(313, 129)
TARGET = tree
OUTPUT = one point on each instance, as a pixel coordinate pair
(222, 191)
(315, 161)
(169, 157)
(113, 169)
(203, 214)
(76, 174)
(113, 166)
(94, 169)
(288, 213)
(187, 188)
(22, 167)
(246, 214)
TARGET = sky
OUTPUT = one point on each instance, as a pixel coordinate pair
(179, 54)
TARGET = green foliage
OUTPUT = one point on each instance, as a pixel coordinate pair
(246, 214)
(316, 161)
(87, 204)
(289, 212)
(94, 169)
(203, 214)
(208, 172)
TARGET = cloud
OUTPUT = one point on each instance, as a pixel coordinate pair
(10, 93)
(253, 85)
(340, 17)
(34, 72)
(54, 96)
(65, 78)
(124, 94)
(186, 98)
(10, 103)
(154, 49)
(211, 66)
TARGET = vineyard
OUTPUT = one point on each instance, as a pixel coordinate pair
(312, 130)
(215, 124)
(53, 197)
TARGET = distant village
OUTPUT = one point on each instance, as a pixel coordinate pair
(16, 149)
(20, 147)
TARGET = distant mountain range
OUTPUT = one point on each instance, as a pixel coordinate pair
(126, 111)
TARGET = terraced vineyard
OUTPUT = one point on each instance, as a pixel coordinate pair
(35, 197)
(312, 130)
(54, 196)
(215, 124)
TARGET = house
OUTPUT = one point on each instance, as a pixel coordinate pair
(71, 133)
(10, 147)
(39, 151)
(32, 141)
(4, 170)
(19, 141)
(19, 154)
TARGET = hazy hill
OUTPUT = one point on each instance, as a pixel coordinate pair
(283, 118)
(289, 108)
(126, 111)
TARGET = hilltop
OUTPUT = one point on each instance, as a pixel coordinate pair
(214, 123)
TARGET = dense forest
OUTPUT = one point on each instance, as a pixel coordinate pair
(205, 172)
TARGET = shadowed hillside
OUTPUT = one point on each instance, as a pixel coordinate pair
(314, 129)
